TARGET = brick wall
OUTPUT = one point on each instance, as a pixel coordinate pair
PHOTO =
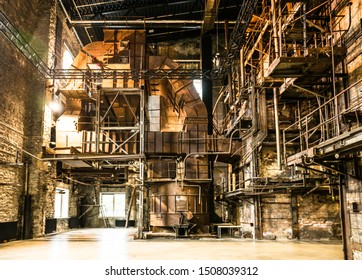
(10, 191)
(25, 119)
(312, 217)
(318, 216)
(15, 94)
(276, 216)
(354, 212)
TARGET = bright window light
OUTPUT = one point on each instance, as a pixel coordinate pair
(67, 58)
(198, 87)
(113, 204)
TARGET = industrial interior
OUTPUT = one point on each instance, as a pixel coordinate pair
(182, 120)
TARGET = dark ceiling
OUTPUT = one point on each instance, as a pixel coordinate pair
(164, 20)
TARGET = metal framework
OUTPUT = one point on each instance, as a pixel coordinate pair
(147, 74)
(237, 37)
(11, 33)
(24, 47)
(329, 140)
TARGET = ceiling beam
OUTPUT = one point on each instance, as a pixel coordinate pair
(127, 23)
(211, 9)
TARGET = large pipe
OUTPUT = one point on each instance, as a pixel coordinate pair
(305, 29)
(345, 223)
(140, 204)
(336, 111)
(275, 31)
(98, 120)
(242, 68)
(140, 22)
(27, 204)
(141, 164)
(280, 27)
(209, 153)
(277, 128)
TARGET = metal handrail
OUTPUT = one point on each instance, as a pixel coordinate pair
(308, 130)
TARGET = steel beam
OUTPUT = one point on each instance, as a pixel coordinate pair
(152, 74)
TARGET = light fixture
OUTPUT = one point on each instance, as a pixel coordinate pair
(55, 104)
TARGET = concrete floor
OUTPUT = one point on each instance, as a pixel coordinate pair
(118, 244)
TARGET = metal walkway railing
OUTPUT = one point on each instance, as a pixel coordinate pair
(320, 125)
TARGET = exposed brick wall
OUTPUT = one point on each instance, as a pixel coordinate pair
(315, 217)
(25, 119)
(276, 216)
(22, 15)
(354, 195)
(318, 217)
(19, 82)
(10, 191)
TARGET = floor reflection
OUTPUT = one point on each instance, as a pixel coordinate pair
(119, 244)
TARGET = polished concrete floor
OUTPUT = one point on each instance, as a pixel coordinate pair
(119, 244)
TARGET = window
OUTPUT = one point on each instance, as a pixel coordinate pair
(67, 58)
(61, 205)
(113, 205)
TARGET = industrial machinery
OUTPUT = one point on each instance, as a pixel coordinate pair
(121, 131)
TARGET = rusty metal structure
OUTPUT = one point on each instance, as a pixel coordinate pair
(303, 69)
(281, 113)
(293, 106)
(135, 132)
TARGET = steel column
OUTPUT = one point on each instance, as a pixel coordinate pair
(141, 165)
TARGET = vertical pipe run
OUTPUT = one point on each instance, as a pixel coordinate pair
(97, 126)
(233, 181)
(253, 99)
(345, 223)
(277, 128)
(242, 68)
(300, 126)
(230, 171)
(142, 122)
(258, 218)
(280, 28)
(140, 205)
(275, 31)
(141, 164)
(27, 204)
(305, 29)
(336, 111)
